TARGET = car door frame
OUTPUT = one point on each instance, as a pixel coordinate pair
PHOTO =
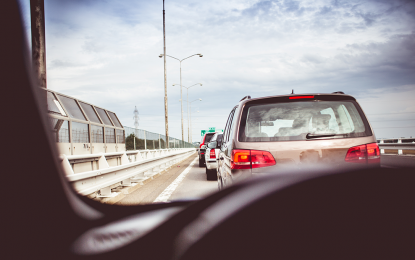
(224, 169)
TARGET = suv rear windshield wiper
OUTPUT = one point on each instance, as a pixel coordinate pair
(311, 136)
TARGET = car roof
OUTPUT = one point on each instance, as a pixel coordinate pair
(334, 96)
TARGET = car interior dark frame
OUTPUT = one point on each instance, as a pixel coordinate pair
(321, 214)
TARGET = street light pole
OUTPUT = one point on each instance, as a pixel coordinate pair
(181, 98)
(165, 82)
(166, 116)
(187, 99)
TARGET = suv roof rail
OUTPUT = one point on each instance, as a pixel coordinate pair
(338, 92)
(246, 97)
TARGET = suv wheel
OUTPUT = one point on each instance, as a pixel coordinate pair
(201, 164)
(211, 174)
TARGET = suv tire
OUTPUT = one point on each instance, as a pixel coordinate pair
(201, 164)
(211, 175)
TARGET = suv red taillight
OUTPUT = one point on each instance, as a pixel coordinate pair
(247, 159)
(212, 154)
(366, 153)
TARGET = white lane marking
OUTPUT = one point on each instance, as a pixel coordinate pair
(165, 195)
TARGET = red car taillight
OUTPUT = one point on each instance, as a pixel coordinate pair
(212, 154)
(366, 153)
(261, 159)
(247, 159)
(241, 159)
(373, 153)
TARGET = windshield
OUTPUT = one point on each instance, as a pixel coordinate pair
(130, 92)
(296, 120)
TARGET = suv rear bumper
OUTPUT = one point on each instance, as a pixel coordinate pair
(211, 164)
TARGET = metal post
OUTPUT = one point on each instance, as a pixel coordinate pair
(188, 123)
(37, 13)
(145, 140)
(382, 151)
(400, 151)
(134, 143)
(181, 98)
(166, 117)
(159, 142)
(191, 139)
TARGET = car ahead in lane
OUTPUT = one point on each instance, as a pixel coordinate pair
(206, 138)
(211, 156)
(270, 133)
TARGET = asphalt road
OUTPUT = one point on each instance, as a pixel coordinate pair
(188, 181)
(396, 161)
(190, 185)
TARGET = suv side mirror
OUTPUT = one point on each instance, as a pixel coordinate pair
(212, 144)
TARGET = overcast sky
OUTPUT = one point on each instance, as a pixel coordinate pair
(106, 53)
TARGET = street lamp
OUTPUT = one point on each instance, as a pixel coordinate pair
(191, 141)
(187, 99)
(163, 55)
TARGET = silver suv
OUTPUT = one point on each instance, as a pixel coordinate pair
(263, 135)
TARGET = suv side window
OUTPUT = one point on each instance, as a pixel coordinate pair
(219, 139)
(228, 127)
(232, 124)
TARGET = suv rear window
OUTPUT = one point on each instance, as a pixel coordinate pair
(294, 120)
(208, 137)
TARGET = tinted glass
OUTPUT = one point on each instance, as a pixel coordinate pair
(219, 138)
(60, 130)
(53, 104)
(71, 107)
(114, 119)
(120, 136)
(80, 133)
(109, 135)
(90, 113)
(228, 127)
(208, 137)
(294, 120)
(103, 116)
(97, 134)
(227, 124)
(213, 138)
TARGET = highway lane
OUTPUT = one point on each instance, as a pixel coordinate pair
(188, 181)
(193, 184)
(396, 161)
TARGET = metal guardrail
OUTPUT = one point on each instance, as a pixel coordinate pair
(399, 145)
(135, 166)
